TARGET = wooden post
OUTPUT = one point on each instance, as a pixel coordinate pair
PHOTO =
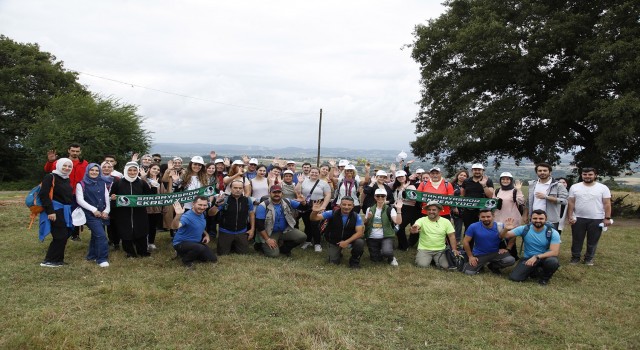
(319, 136)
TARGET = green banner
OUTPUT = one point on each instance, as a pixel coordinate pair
(155, 200)
(453, 201)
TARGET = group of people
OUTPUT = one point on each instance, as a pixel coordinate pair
(262, 205)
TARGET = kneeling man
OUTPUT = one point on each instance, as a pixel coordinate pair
(344, 228)
(541, 248)
(433, 231)
(486, 248)
(190, 241)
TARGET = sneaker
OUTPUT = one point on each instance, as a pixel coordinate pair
(152, 247)
(104, 264)
(394, 262)
(494, 269)
(305, 245)
(589, 262)
(574, 261)
(317, 248)
(50, 264)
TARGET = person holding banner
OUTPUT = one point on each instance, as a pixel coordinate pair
(132, 223)
(477, 186)
(190, 241)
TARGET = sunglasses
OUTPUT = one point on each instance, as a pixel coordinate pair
(380, 196)
(157, 159)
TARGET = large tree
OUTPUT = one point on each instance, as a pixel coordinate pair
(530, 80)
(100, 125)
(29, 79)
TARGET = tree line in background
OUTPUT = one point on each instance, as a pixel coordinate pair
(532, 80)
(43, 107)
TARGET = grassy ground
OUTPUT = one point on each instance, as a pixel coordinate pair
(252, 302)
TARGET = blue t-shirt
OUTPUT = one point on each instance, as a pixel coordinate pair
(536, 242)
(193, 226)
(223, 230)
(485, 240)
(329, 214)
(279, 221)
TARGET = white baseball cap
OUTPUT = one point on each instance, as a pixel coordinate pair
(287, 172)
(419, 171)
(291, 162)
(435, 168)
(349, 167)
(237, 162)
(400, 173)
(218, 160)
(381, 191)
(381, 173)
(506, 174)
(197, 160)
(343, 162)
(253, 161)
(477, 166)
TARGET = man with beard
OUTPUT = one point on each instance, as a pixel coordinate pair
(190, 241)
(275, 224)
(433, 231)
(477, 186)
(547, 194)
(588, 211)
(541, 245)
(344, 228)
(486, 249)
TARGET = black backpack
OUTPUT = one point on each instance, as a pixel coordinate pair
(515, 195)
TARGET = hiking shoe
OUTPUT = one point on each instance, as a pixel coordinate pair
(151, 247)
(317, 248)
(394, 262)
(50, 264)
(574, 261)
(589, 262)
(494, 270)
(543, 282)
(305, 245)
(104, 264)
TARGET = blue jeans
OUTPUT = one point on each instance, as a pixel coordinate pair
(98, 245)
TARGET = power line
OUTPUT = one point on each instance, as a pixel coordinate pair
(191, 97)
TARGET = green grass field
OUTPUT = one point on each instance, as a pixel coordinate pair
(252, 302)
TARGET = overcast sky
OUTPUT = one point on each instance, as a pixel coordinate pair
(281, 60)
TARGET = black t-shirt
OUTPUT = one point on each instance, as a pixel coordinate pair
(474, 189)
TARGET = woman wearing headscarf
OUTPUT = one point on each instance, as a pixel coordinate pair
(92, 195)
(132, 223)
(511, 194)
(56, 217)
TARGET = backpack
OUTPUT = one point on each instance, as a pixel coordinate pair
(548, 235)
(33, 202)
(515, 194)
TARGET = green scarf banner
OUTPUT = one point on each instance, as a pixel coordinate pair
(155, 200)
(453, 201)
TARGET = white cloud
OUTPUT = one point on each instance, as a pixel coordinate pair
(293, 56)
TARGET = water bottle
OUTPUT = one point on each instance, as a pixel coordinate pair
(603, 227)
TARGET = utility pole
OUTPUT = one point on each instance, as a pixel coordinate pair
(319, 136)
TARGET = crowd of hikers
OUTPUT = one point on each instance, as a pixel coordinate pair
(247, 204)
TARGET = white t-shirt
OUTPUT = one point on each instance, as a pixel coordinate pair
(194, 184)
(259, 188)
(376, 229)
(544, 188)
(589, 203)
(319, 191)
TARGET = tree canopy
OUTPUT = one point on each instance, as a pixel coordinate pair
(43, 106)
(530, 80)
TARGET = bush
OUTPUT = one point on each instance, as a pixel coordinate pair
(22, 185)
(621, 209)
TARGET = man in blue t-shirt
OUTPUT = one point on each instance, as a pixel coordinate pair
(191, 238)
(275, 224)
(541, 248)
(342, 231)
(486, 249)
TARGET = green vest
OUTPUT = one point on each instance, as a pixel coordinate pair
(387, 224)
